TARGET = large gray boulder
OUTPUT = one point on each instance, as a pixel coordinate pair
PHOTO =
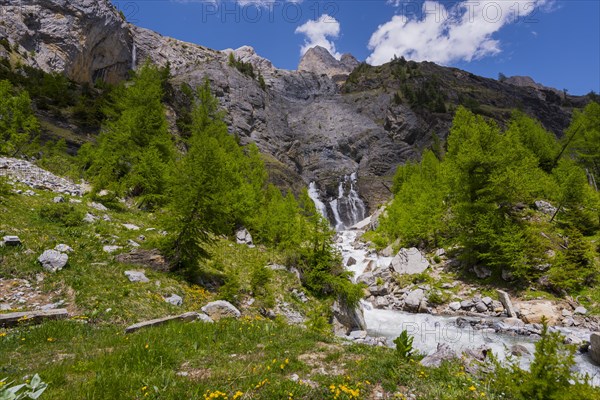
(242, 236)
(409, 261)
(136, 276)
(53, 260)
(221, 309)
(413, 300)
(11, 241)
(347, 319)
(507, 303)
(443, 353)
(595, 347)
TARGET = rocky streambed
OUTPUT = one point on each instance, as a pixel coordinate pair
(459, 326)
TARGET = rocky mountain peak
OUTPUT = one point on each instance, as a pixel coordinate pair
(528, 82)
(248, 54)
(318, 60)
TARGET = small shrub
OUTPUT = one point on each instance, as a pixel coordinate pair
(62, 213)
(231, 290)
(550, 376)
(5, 188)
(404, 345)
(260, 277)
(318, 320)
(437, 298)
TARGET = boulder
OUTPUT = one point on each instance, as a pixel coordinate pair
(368, 279)
(381, 302)
(481, 307)
(351, 261)
(89, 218)
(519, 350)
(388, 251)
(144, 258)
(580, 310)
(63, 248)
(58, 199)
(466, 304)
(354, 335)
(53, 260)
(595, 347)
(413, 300)
(409, 261)
(347, 319)
(440, 252)
(131, 227)
(443, 353)
(379, 290)
(508, 306)
(136, 276)
(110, 249)
(533, 311)
(11, 241)
(482, 272)
(454, 306)
(174, 299)
(98, 206)
(544, 207)
(242, 236)
(221, 309)
(507, 275)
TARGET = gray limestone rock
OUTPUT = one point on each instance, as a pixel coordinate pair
(409, 261)
(221, 309)
(174, 299)
(53, 260)
(443, 353)
(136, 276)
(413, 300)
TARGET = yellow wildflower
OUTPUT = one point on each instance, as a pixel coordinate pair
(472, 388)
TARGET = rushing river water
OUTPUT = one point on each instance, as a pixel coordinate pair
(428, 330)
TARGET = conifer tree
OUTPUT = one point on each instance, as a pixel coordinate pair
(18, 125)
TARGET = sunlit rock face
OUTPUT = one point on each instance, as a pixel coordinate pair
(85, 39)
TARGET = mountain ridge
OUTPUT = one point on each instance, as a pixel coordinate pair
(316, 125)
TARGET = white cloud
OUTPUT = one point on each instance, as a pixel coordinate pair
(443, 35)
(319, 33)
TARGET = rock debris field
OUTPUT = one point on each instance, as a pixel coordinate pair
(33, 176)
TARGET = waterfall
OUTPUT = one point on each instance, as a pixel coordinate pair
(313, 193)
(134, 57)
(348, 208)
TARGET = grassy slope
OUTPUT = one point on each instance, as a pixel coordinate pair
(90, 357)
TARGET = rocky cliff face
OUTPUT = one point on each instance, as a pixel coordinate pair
(318, 60)
(321, 123)
(85, 39)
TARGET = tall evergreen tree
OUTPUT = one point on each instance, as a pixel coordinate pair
(135, 151)
(18, 125)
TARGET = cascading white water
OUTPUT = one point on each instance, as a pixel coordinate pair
(134, 57)
(428, 330)
(313, 193)
(347, 208)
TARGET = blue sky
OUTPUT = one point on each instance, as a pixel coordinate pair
(556, 42)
